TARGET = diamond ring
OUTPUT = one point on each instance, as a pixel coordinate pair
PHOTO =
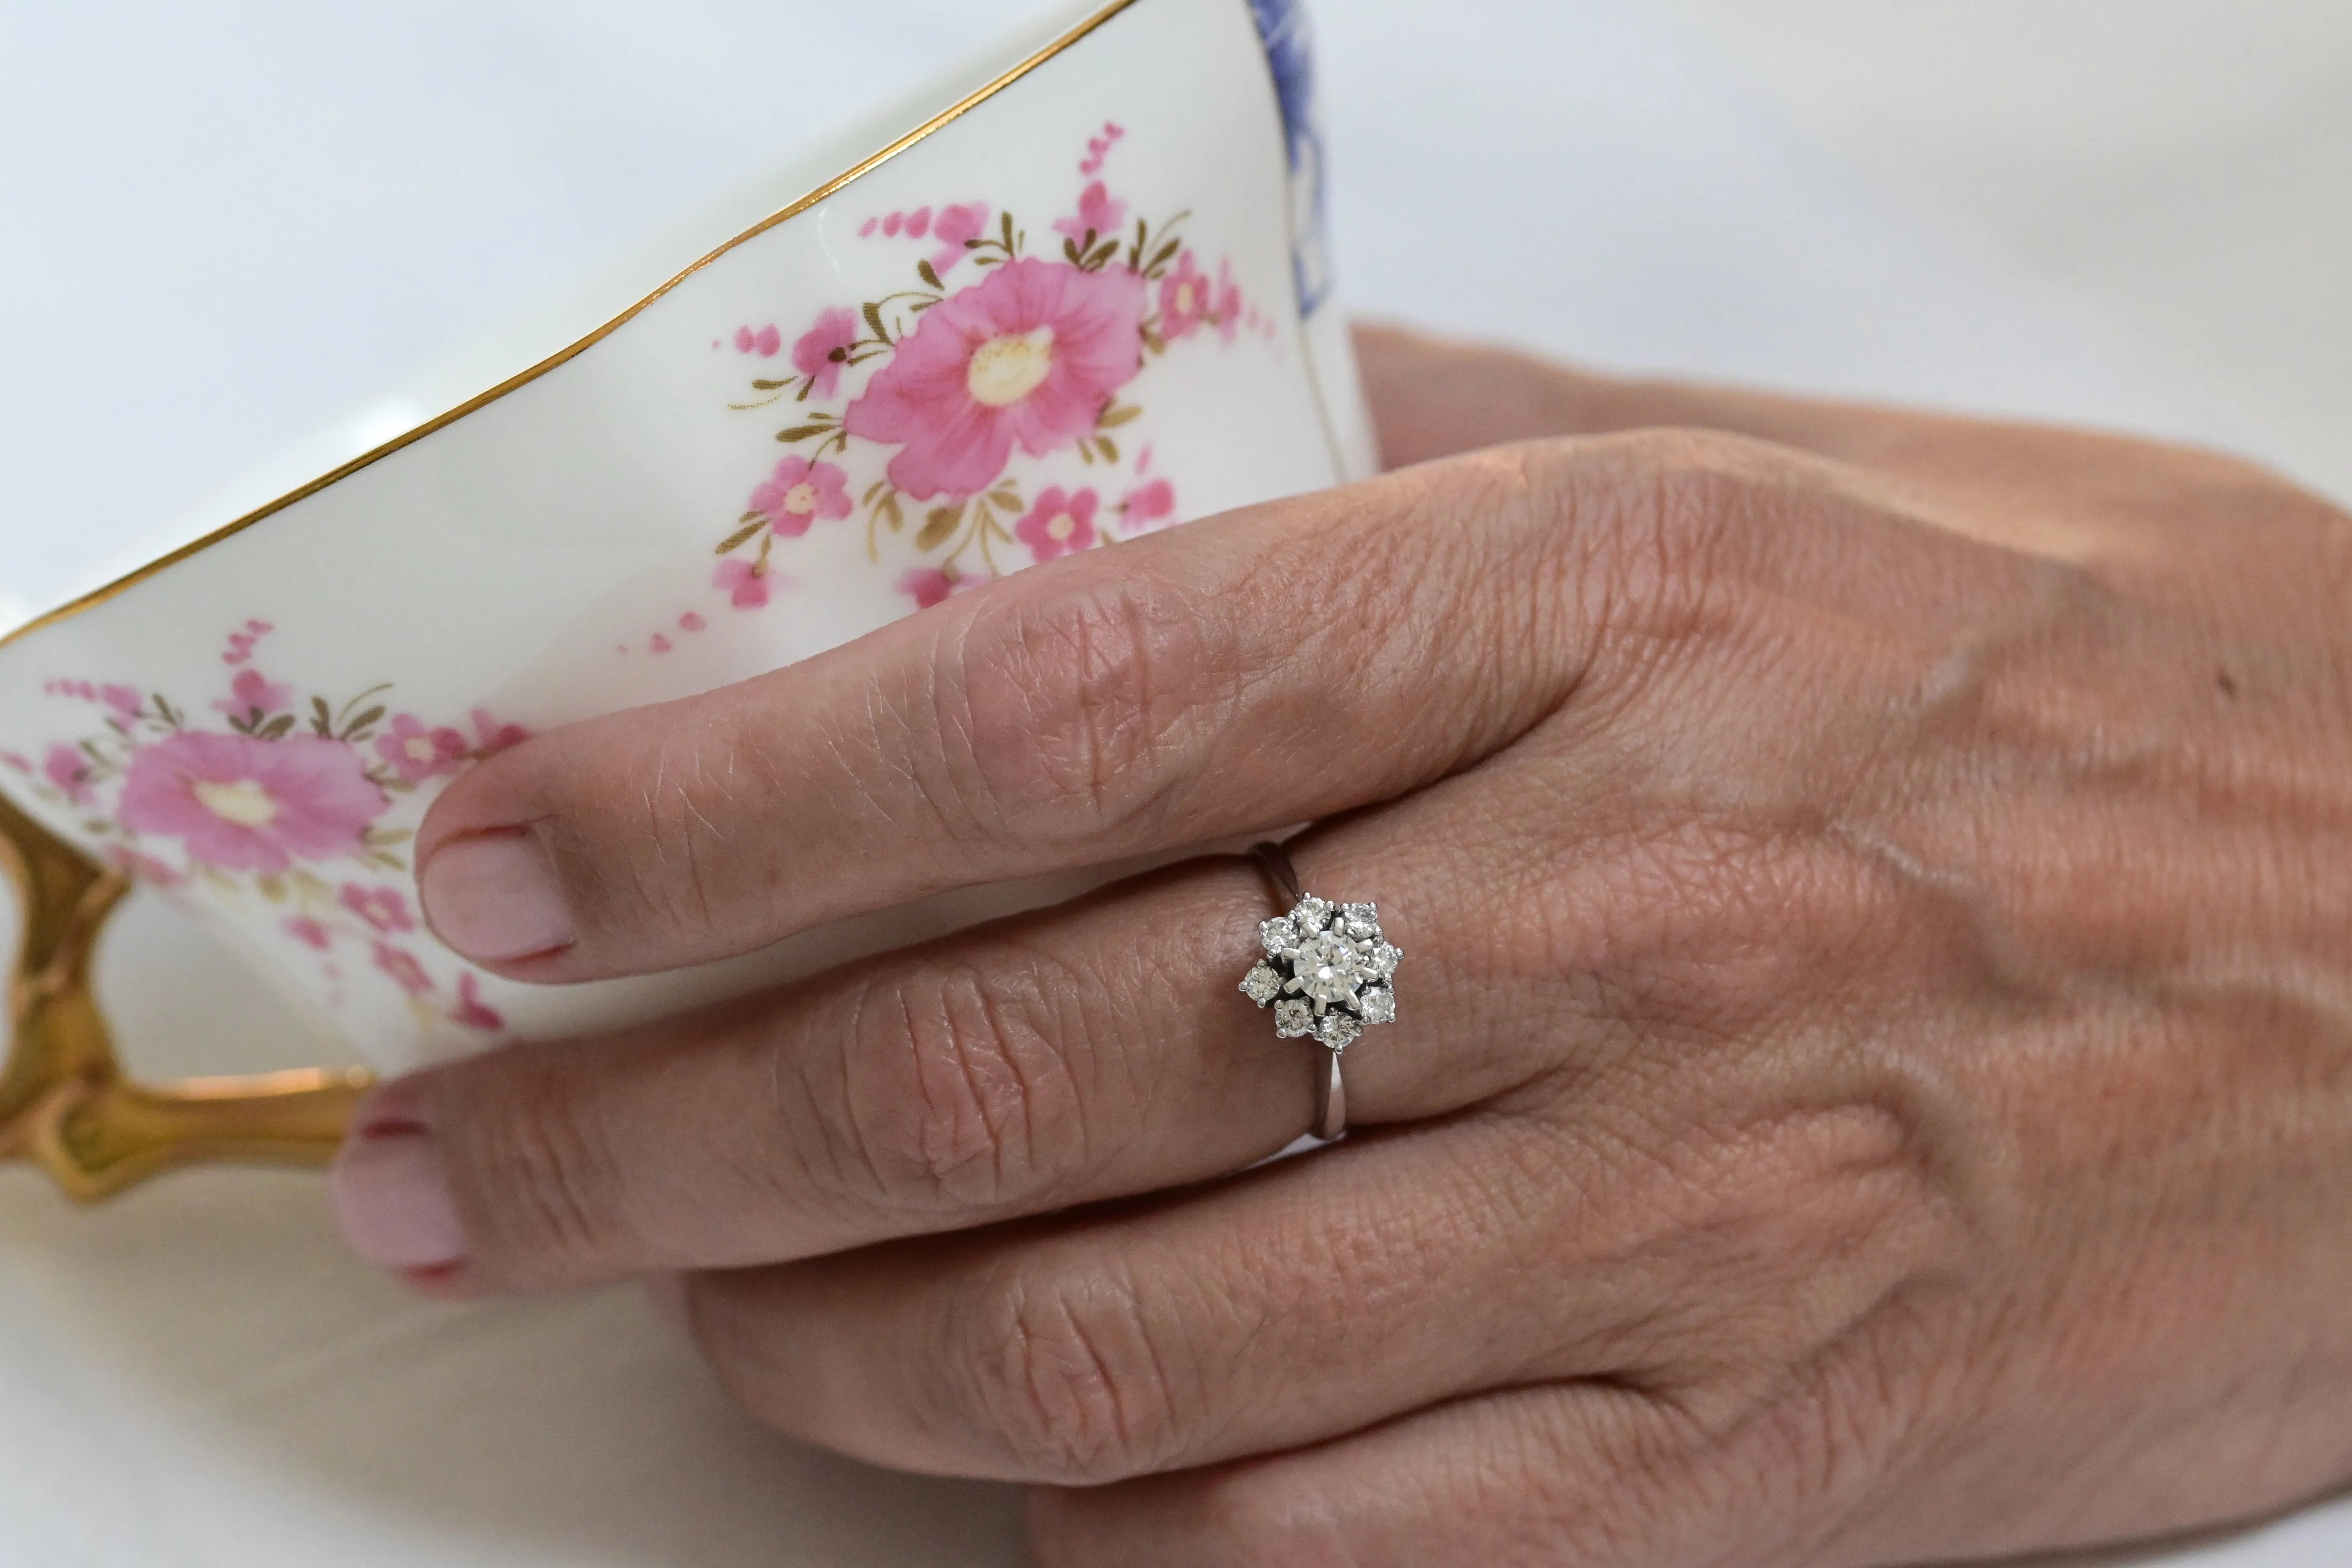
(1329, 974)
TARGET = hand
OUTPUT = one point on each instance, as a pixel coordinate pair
(1874, 1073)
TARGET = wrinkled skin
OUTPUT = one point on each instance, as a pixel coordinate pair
(1875, 1078)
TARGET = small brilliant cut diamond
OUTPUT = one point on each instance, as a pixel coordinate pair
(1381, 962)
(1293, 1020)
(1279, 934)
(1312, 914)
(1362, 921)
(1380, 1005)
(1339, 1030)
(1263, 984)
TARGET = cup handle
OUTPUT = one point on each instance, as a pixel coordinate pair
(65, 1102)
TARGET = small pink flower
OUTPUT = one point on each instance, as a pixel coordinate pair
(1099, 148)
(402, 965)
(919, 223)
(18, 760)
(243, 804)
(1099, 215)
(472, 1011)
(308, 933)
(927, 586)
(418, 754)
(824, 349)
(1029, 356)
(1149, 506)
(67, 768)
(250, 693)
(494, 737)
(957, 228)
(764, 342)
(1229, 309)
(123, 699)
(1059, 524)
(1185, 299)
(381, 907)
(799, 492)
(744, 584)
(691, 622)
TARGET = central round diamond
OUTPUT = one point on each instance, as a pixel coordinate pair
(1327, 968)
(1007, 369)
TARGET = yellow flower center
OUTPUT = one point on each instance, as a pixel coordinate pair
(1006, 370)
(420, 749)
(801, 500)
(244, 802)
(1063, 526)
(1184, 298)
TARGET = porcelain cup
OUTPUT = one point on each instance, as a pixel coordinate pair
(1075, 294)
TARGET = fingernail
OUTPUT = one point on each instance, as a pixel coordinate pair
(391, 1198)
(495, 897)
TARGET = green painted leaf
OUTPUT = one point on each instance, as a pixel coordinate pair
(741, 537)
(939, 527)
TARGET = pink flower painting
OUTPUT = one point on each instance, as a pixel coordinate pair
(472, 1011)
(1059, 523)
(69, 768)
(744, 583)
(251, 695)
(243, 804)
(1100, 215)
(418, 751)
(799, 492)
(927, 586)
(309, 932)
(1186, 300)
(973, 429)
(381, 907)
(242, 815)
(823, 350)
(1030, 357)
(957, 228)
(1149, 506)
(402, 966)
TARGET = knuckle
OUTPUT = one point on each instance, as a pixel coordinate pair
(1067, 1379)
(953, 1087)
(1655, 522)
(1076, 713)
(547, 1191)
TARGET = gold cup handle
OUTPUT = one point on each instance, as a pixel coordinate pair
(65, 1102)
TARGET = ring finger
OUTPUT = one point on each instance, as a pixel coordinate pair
(1092, 1051)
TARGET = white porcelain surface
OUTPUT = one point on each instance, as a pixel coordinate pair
(1127, 226)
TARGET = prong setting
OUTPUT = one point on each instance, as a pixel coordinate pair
(1328, 971)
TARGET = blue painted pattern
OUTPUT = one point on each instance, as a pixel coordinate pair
(1290, 53)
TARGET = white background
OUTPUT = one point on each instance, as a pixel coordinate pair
(223, 224)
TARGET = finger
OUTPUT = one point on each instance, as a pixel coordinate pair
(1235, 675)
(1592, 1473)
(1313, 1298)
(1433, 399)
(1088, 1052)
(1307, 1299)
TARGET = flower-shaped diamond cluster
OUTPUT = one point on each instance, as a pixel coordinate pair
(1329, 972)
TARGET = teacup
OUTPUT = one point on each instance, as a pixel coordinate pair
(1075, 294)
